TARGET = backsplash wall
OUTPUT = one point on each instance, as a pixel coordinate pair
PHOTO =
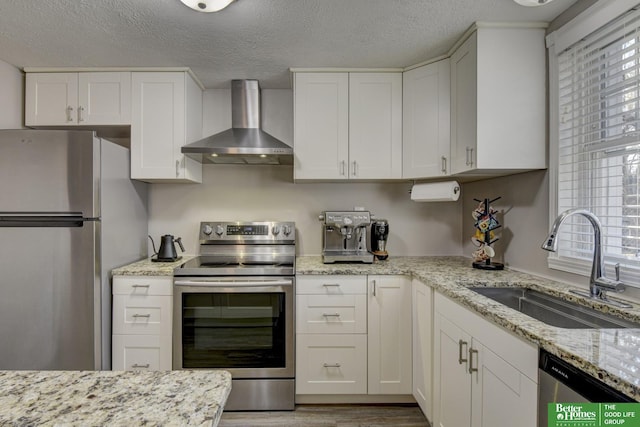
(231, 192)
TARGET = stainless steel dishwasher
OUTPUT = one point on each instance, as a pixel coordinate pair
(561, 382)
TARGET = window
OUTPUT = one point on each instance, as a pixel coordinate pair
(598, 143)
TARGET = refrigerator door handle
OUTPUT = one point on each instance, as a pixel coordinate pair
(41, 219)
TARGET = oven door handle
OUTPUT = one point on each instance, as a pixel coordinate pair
(227, 283)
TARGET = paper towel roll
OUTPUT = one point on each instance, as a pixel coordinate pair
(448, 191)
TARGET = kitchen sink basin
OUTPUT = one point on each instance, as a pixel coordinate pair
(552, 310)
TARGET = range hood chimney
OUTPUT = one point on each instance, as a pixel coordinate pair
(245, 142)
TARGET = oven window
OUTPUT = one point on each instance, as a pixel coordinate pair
(233, 330)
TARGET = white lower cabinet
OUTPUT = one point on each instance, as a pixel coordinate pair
(389, 332)
(422, 330)
(142, 322)
(353, 335)
(483, 376)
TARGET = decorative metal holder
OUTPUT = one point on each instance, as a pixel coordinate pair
(485, 223)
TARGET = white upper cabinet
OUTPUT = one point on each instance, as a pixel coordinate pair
(78, 99)
(375, 125)
(166, 114)
(426, 121)
(321, 125)
(347, 126)
(498, 105)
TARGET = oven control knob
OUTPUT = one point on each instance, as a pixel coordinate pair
(219, 230)
(275, 230)
(286, 229)
(207, 230)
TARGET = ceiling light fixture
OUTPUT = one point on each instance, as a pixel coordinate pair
(207, 5)
(532, 2)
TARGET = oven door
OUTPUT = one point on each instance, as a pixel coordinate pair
(243, 325)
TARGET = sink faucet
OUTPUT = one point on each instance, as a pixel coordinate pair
(598, 283)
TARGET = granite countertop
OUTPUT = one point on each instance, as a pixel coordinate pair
(146, 267)
(612, 355)
(122, 398)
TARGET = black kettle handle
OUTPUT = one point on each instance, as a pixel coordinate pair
(179, 241)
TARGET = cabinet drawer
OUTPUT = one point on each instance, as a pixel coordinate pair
(331, 364)
(141, 352)
(331, 285)
(142, 314)
(142, 285)
(331, 314)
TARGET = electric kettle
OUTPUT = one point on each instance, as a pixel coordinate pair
(167, 251)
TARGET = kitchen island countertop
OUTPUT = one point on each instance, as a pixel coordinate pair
(114, 398)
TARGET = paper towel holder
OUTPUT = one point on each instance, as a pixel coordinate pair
(456, 189)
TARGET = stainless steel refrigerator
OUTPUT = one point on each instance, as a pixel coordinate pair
(68, 214)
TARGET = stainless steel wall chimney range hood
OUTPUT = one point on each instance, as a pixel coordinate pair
(245, 142)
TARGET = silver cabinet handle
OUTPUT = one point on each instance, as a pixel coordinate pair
(327, 285)
(342, 165)
(147, 316)
(444, 165)
(140, 286)
(472, 351)
(177, 168)
(331, 314)
(80, 110)
(135, 365)
(374, 287)
(331, 365)
(69, 113)
(469, 161)
(355, 172)
(461, 352)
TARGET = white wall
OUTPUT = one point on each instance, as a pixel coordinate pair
(232, 192)
(11, 99)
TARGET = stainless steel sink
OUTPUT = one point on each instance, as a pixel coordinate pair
(553, 310)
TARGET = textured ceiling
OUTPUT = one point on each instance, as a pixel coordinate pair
(257, 39)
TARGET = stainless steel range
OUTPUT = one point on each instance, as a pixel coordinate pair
(234, 310)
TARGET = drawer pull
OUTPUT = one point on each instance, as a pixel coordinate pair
(140, 286)
(331, 314)
(328, 285)
(331, 365)
(147, 316)
(145, 366)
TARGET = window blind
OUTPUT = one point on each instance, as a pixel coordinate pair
(599, 141)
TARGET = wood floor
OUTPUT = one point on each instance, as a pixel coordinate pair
(330, 416)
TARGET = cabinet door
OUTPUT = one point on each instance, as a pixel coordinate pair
(426, 126)
(104, 98)
(501, 395)
(451, 379)
(161, 109)
(141, 352)
(422, 311)
(464, 63)
(51, 99)
(321, 125)
(389, 331)
(375, 125)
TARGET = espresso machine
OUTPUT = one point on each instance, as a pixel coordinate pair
(379, 236)
(344, 236)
